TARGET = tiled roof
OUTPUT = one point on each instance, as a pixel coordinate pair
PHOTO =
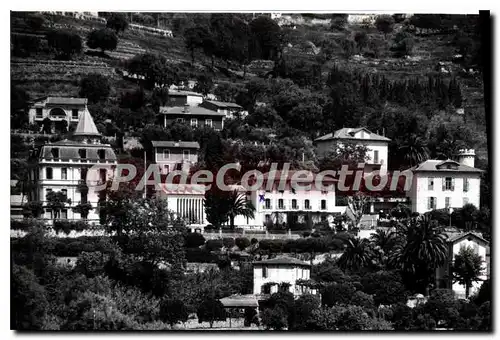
(182, 189)
(70, 151)
(284, 260)
(63, 100)
(434, 164)
(184, 93)
(190, 110)
(223, 104)
(174, 144)
(86, 125)
(454, 237)
(240, 301)
(348, 133)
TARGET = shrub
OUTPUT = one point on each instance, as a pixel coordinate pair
(67, 226)
(173, 311)
(211, 245)
(403, 44)
(64, 44)
(228, 242)
(242, 242)
(91, 264)
(361, 39)
(194, 240)
(348, 47)
(384, 23)
(254, 240)
(103, 39)
(25, 45)
(117, 22)
(95, 87)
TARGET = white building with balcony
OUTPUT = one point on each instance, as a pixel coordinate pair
(269, 274)
(57, 109)
(291, 204)
(64, 166)
(439, 184)
(377, 146)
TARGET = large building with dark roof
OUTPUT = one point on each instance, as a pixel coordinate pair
(64, 166)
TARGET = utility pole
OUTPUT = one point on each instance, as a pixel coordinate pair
(145, 179)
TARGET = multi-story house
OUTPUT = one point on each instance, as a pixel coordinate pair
(377, 146)
(289, 205)
(269, 274)
(57, 109)
(171, 155)
(439, 184)
(187, 202)
(231, 110)
(444, 277)
(64, 166)
(181, 98)
(195, 116)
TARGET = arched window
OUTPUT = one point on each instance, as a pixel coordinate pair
(57, 112)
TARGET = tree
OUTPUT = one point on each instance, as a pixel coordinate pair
(337, 294)
(266, 38)
(83, 209)
(414, 150)
(467, 268)
(95, 87)
(305, 305)
(154, 69)
(357, 204)
(239, 206)
(64, 43)
(385, 24)
(423, 250)
(274, 318)
(194, 38)
(484, 293)
(29, 305)
(118, 22)
(339, 21)
(204, 84)
(56, 202)
(172, 311)
(361, 39)
(103, 39)
(211, 310)
(357, 254)
(33, 209)
(386, 287)
(403, 44)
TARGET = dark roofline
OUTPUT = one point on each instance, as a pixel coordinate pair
(456, 238)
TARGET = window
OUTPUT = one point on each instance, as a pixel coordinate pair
(208, 122)
(64, 173)
(466, 184)
(83, 174)
(39, 112)
(307, 204)
(55, 152)
(375, 156)
(165, 168)
(268, 203)
(430, 185)
(65, 192)
(465, 201)
(280, 204)
(323, 204)
(194, 122)
(294, 204)
(102, 175)
(448, 184)
(264, 272)
(48, 173)
(82, 153)
(180, 120)
(166, 154)
(74, 113)
(447, 201)
(186, 155)
(102, 154)
(266, 289)
(431, 203)
(64, 214)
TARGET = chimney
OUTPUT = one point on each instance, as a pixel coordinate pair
(467, 157)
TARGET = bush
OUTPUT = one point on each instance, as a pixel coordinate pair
(200, 255)
(242, 242)
(194, 240)
(337, 294)
(64, 44)
(67, 226)
(117, 22)
(211, 245)
(228, 242)
(254, 240)
(91, 264)
(25, 45)
(95, 87)
(403, 44)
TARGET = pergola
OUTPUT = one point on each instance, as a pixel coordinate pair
(239, 302)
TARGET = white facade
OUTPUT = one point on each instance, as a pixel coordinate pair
(377, 145)
(434, 186)
(187, 202)
(57, 109)
(280, 271)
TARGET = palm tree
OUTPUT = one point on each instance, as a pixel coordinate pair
(357, 254)
(467, 268)
(414, 150)
(239, 205)
(423, 248)
(385, 239)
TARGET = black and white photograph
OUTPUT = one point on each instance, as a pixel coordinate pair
(242, 171)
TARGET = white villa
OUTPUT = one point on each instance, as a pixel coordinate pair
(269, 274)
(175, 155)
(377, 146)
(57, 109)
(439, 184)
(63, 166)
(455, 243)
